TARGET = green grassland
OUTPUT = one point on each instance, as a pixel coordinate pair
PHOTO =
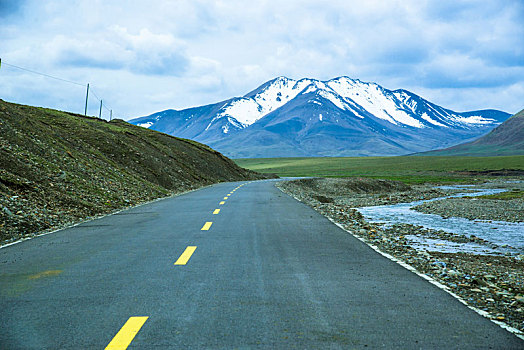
(409, 169)
(515, 194)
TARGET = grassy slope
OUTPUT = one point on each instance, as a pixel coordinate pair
(408, 169)
(57, 167)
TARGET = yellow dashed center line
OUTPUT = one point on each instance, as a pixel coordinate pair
(184, 258)
(216, 211)
(125, 336)
(225, 198)
(206, 226)
(221, 203)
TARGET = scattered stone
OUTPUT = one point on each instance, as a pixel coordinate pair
(7, 212)
(494, 283)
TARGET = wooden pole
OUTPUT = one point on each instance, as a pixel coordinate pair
(87, 96)
(110, 115)
(100, 113)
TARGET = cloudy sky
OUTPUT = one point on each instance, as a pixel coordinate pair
(145, 56)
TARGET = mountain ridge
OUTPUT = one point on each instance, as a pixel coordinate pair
(506, 139)
(352, 115)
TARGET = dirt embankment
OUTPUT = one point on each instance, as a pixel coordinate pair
(491, 283)
(359, 192)
(58, 168)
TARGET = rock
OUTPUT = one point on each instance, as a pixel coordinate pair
(453, 273)
(7, 212)
(481, 282)
(440, 264)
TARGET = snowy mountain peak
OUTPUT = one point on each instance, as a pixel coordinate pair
(308, 107)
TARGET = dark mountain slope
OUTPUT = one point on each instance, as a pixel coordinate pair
(505, 140)
(57, 168)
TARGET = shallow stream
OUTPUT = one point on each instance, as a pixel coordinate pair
(499, 232)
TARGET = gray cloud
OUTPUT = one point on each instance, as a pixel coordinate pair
(191, 52)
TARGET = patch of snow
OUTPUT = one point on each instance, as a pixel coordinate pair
(311, 88)
(320, 116)
(245, 110)
(236, 123)
(475, 119)
(337, 101)
(225, 129)
(372, 98)
(146, 125)
(427, 118)
(278, 93)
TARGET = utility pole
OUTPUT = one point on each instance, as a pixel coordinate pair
(87, 96)
(110, 115)
(100, 113)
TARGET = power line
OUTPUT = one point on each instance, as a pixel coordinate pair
(45, 75)
(108, 108)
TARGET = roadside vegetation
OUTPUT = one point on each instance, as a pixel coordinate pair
(408, 169)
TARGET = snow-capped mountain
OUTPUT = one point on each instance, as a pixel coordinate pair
(308, 117)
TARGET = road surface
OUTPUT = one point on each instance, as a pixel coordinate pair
(234, 265)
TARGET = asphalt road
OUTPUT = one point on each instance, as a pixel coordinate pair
(269, 272)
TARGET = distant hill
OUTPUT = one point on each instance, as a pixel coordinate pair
(339, 117)
(505, 140)
(57, 167)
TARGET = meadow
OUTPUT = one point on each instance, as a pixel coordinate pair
(409, 169)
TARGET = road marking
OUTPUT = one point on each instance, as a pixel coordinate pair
(216, 211)
(229, 194)
(47, 273)
(222, 203)
(184, 258)
(206, 226)
(225, 198)
(125, 336)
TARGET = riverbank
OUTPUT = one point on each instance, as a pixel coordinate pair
(483, 275)
(508, 206)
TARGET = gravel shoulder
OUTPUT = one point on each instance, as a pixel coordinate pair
(493, 283)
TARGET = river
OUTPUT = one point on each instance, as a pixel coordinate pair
(508, 236)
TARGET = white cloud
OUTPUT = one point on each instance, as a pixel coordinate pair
(148, 55)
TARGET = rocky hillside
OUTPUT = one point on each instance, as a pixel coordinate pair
(57, 168)
(505, 140)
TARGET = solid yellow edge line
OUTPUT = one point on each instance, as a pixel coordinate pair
(206, 226)
(127, 333)
(216, 211)
(184, 258)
